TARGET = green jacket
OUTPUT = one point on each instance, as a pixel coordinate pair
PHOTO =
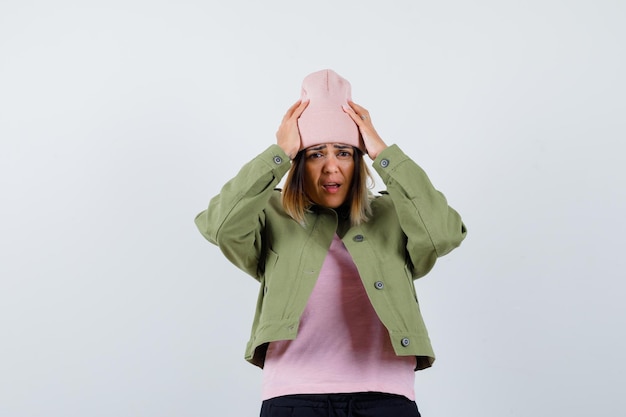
(411, 225)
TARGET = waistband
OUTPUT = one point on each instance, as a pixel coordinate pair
(359, 400)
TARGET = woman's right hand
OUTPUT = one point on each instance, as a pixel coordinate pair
(288, 135)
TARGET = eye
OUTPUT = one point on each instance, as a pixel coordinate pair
(315, 155)
(344, 154)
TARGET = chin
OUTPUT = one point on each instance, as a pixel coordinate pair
(331, 203)
(334, 204)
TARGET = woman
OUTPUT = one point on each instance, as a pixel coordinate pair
(337, 329)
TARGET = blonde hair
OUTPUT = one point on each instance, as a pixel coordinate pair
(296, 202)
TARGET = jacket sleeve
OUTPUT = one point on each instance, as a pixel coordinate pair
(235, 218)
(432, 228)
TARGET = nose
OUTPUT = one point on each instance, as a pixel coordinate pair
(330, 164)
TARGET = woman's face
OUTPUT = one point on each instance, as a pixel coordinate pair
(328, 172)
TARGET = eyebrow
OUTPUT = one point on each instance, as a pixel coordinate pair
(336, 146)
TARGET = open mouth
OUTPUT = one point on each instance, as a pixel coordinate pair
(331, 187)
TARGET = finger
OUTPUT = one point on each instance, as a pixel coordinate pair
(356, 117)
(291, 109)
(361, 111)
(300, 109)
(356, 107)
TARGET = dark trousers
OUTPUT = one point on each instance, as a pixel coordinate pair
(361, 404)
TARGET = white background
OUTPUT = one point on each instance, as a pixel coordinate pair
(120, 119)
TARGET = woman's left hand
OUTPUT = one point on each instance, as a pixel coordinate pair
(373, 142)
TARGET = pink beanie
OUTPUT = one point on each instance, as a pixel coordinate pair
(324, 119)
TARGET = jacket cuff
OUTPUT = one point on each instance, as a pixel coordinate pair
(276, 159)
(388, 161)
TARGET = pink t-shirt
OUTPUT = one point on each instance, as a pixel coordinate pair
(341, 345)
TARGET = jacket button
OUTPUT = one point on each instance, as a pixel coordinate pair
(405, 342)
(379, 285)
(384, 163)
(278, 160)
(358, 238)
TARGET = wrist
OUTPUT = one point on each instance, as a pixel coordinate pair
(291, 152)
(376, 151)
